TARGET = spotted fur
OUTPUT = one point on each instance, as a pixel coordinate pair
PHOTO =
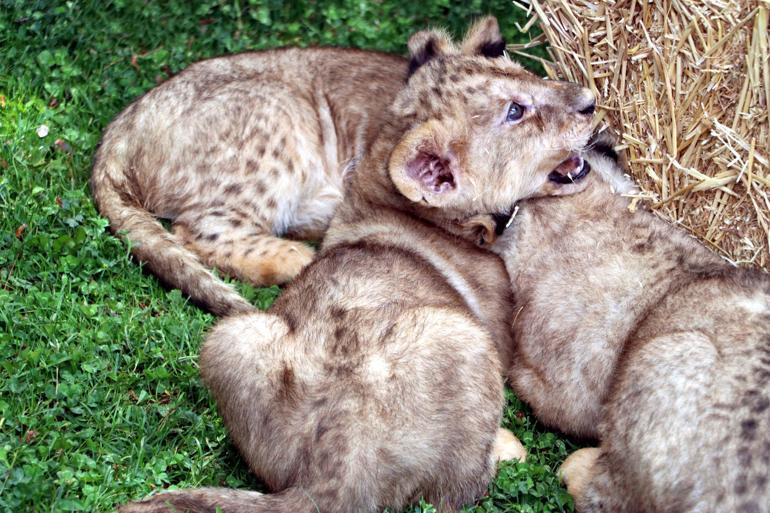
(375, 378)
(242, 154)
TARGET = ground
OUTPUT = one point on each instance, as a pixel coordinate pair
(100, 399)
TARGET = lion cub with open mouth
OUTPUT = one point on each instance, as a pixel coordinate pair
(630, 331)
(375, 378)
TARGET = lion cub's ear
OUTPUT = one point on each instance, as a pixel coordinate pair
(425, 167)
(483, 38)
(481, 228)
(426, 45)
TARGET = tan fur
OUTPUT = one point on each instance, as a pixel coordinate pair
(578, 469)
(239, 151)
(630, 331)
(375, 378)
(507, 447)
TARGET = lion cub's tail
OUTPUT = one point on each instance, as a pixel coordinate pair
(152, 244)
(224, 500)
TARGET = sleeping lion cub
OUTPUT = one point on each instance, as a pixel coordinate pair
(242, 154)
(375, 378)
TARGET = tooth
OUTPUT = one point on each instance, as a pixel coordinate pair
(510, 220)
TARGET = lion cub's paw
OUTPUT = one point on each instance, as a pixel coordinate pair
(507, 447)
(578, 469)
(278, 262)
(293, 257)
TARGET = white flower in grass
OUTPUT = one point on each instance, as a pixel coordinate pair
(42, 131)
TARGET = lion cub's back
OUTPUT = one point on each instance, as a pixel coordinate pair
(279, 119)
(367, 360)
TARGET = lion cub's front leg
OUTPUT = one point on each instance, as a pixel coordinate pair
(578, 470)
(507, 447)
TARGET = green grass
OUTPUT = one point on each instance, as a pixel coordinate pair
(100, 400)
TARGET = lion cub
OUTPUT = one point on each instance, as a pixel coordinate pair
(238, 152)
(375, 378)
(630, 331)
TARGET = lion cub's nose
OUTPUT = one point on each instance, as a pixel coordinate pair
(588, 109)
(577, 99)
(585, 102)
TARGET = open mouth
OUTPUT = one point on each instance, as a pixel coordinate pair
(570, 171)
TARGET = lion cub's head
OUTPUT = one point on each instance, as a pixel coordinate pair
(481, 133)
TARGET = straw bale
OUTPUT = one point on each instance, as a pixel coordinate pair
(686, 84)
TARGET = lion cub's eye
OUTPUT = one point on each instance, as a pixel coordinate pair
(515, 113)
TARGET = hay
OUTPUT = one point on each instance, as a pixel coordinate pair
(687, 86)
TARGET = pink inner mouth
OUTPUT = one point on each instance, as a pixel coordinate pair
(570, 170)
(570, 167)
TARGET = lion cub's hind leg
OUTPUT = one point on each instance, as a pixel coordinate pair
(245, 364)
(227, 239)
